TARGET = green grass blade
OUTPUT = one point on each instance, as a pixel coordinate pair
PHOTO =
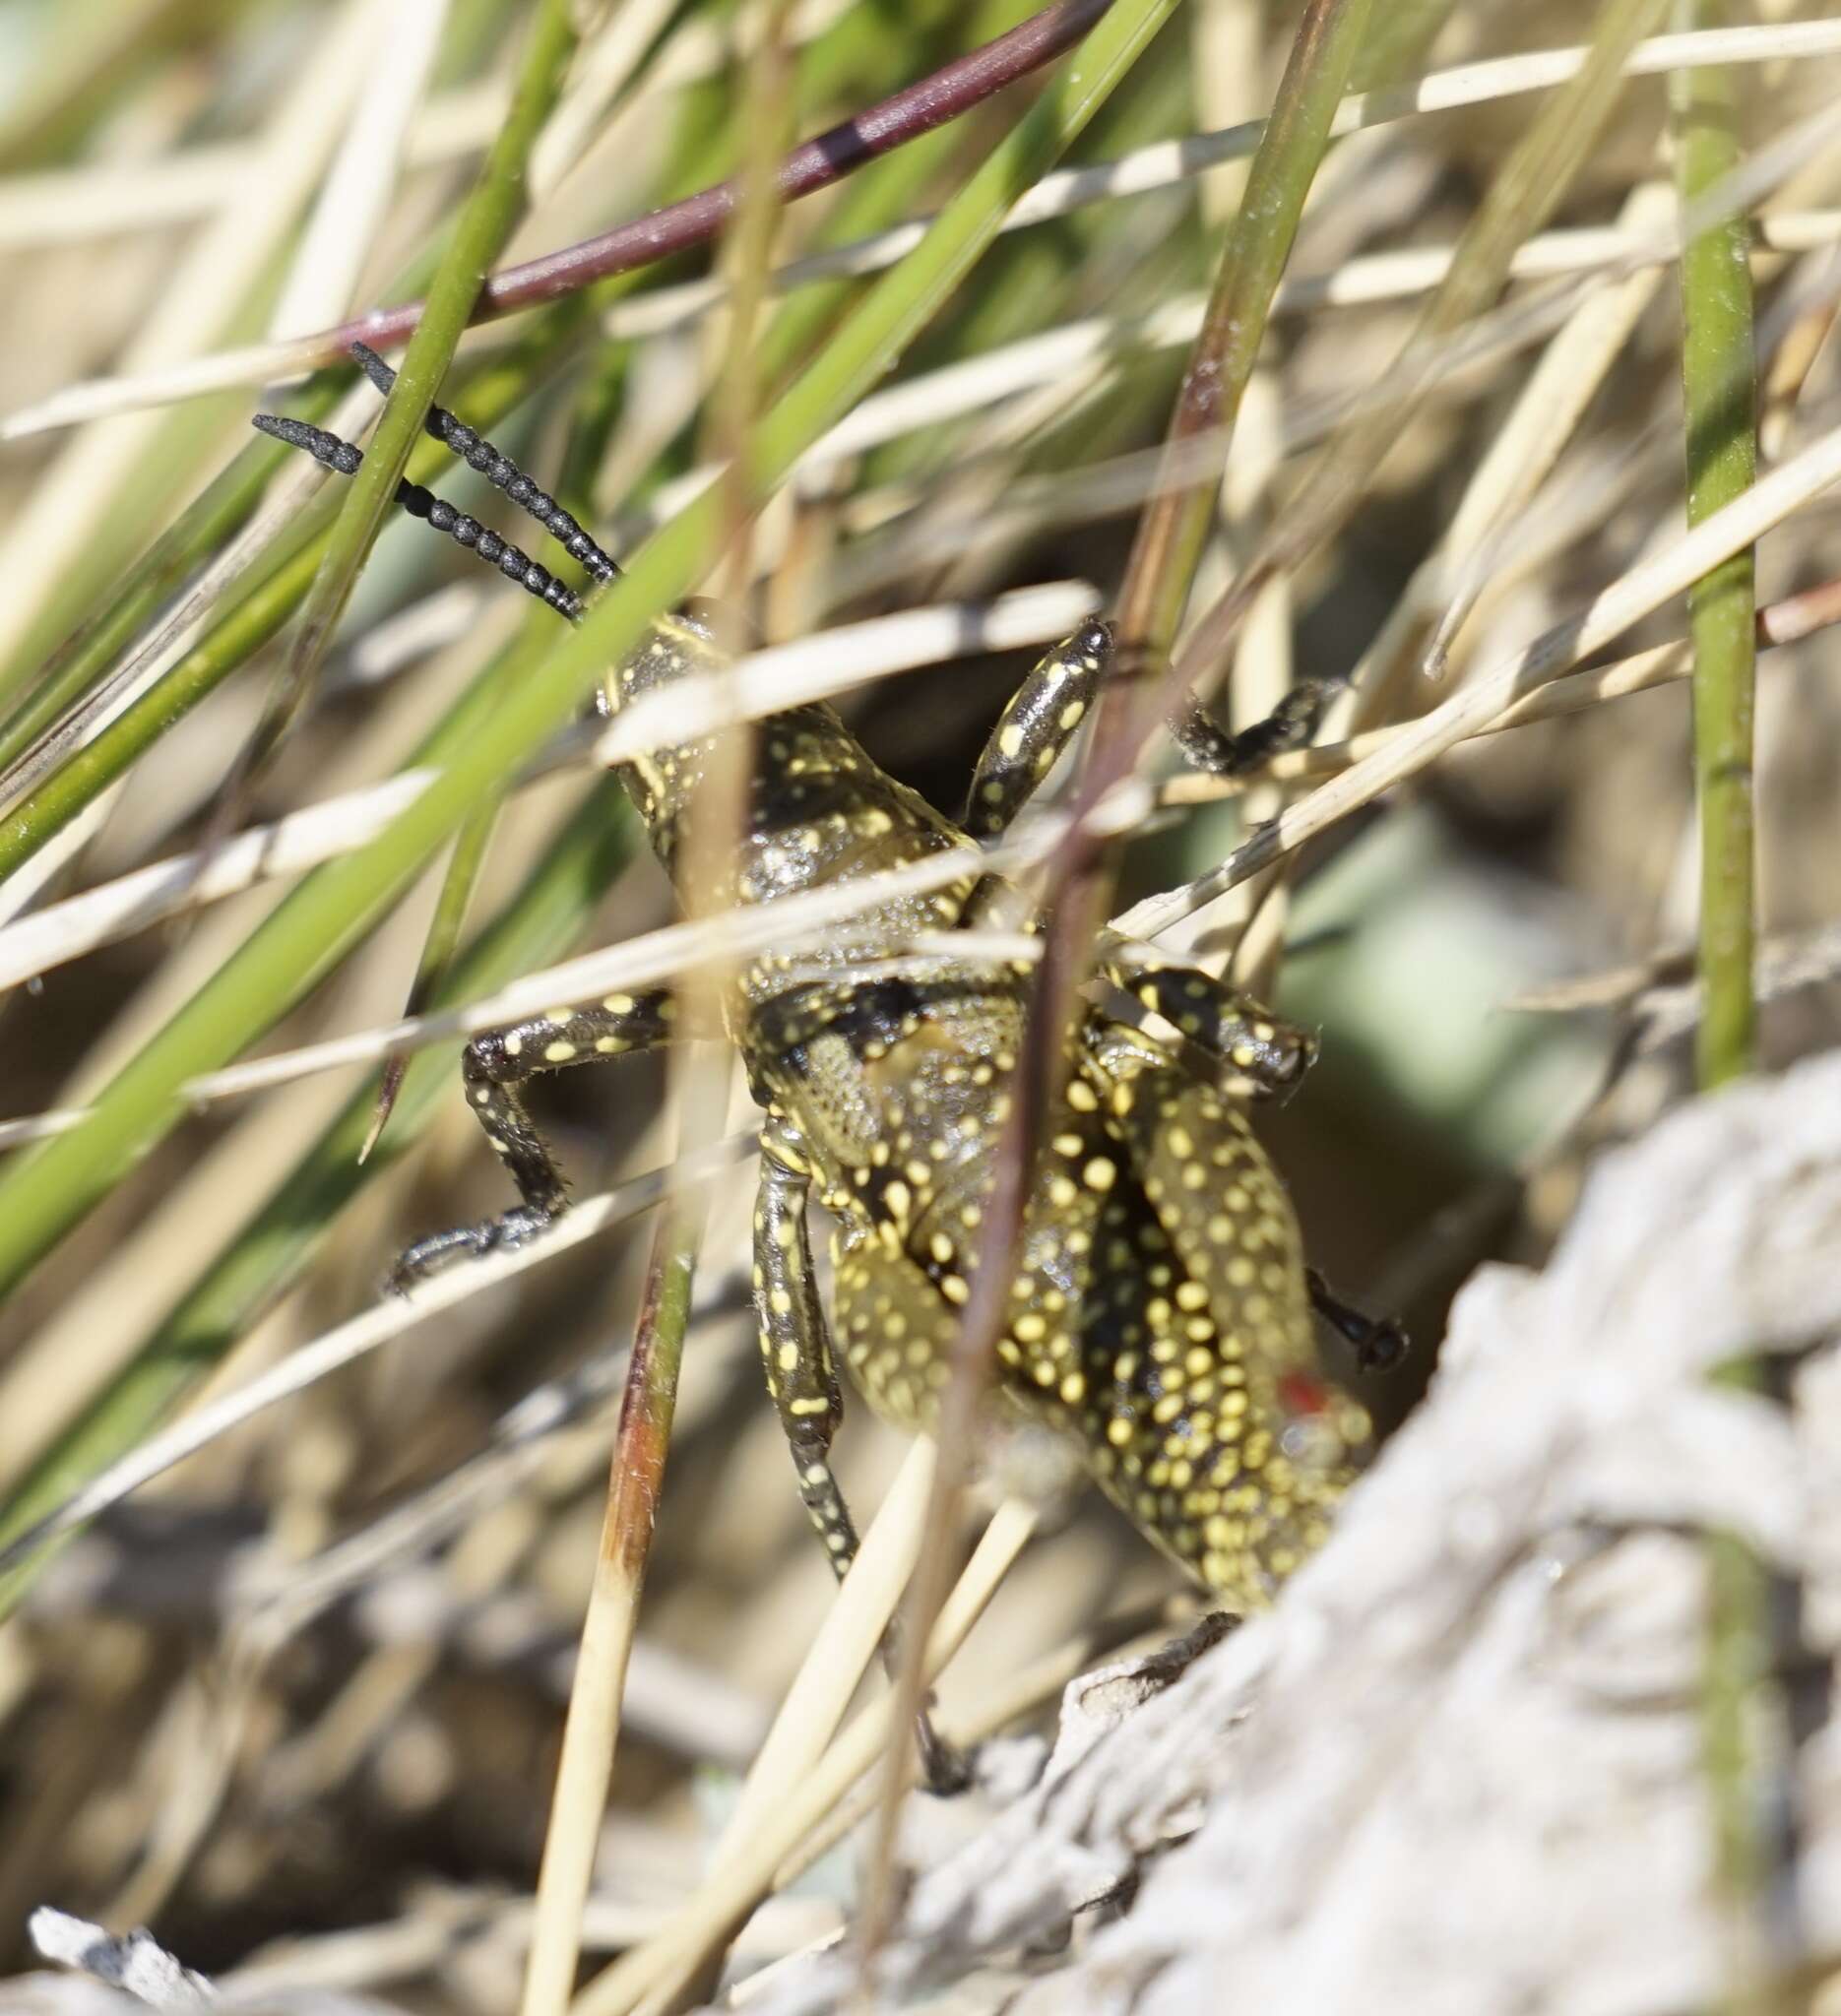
(1720, 408)
(49, 1191)
(1174, 527)
(480, 235)
(260, 1260)
(1720, 380)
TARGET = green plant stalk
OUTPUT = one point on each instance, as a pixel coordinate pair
(49, 1191)
(1720, 380)
(458, 881)
(480, 235)
(260, 1260)
(450, 917)
(1174, 527)
(1530, 185)
(1720, 408)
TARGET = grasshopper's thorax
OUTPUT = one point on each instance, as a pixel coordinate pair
(819, 813)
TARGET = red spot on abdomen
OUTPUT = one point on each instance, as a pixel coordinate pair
(1302, 1394)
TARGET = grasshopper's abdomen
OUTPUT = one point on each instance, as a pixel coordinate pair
(1159, 1312)
(1209, 1418)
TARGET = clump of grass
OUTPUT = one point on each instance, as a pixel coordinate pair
(993, 334)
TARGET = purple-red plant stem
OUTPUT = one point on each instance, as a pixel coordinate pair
(916, 109)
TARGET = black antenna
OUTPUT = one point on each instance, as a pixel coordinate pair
(500, 471)
(340, 455)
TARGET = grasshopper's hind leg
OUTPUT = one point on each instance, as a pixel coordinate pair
(1379, 1342)
(496, 1064)
(802, 1381)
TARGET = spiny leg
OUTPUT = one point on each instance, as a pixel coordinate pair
(803, 1380)
(796, 1349)
(1054, 699)
(495, 1064)
(1239, 1033)
(1050, 705)
(1379, 1342)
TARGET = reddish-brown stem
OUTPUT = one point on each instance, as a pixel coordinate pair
(1800, 615)
(815, 163)
(646, 1404)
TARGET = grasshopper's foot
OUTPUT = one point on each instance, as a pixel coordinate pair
(944, 1771)
(1379, 1342)
(442, 1250)
(1290, 726)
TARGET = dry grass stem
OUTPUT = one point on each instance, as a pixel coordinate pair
(1147, 170)
(691, 1934)
(389, 1319)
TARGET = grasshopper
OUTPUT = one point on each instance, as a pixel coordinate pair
(1160, 1313)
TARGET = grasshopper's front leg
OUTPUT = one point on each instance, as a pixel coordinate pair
(1037, 726)
(1056, 696)
(495, 1064)
(803, 1380)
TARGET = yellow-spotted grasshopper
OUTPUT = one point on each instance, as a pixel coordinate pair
(1161, 1311)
